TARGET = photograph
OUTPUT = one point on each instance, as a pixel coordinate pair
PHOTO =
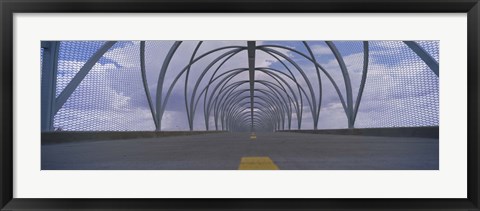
(239, 104)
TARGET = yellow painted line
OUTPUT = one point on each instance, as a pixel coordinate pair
(257, 163)
(253, 136)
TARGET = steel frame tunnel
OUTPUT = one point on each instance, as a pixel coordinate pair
(275, 101)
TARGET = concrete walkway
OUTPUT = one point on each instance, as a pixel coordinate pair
(224, 151)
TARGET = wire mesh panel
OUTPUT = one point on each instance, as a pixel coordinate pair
(401, 90)
(111, 97)
(71, 57)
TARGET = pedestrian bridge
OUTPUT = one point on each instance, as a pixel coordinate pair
(240, 104)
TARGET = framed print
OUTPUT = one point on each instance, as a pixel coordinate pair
(259, 105)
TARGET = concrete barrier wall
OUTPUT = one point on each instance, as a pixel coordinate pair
(75, 136)
(423, 132)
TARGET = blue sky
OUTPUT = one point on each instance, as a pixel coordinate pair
(400, 89)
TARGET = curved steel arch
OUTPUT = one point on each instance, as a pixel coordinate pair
(245, 115)
(238, 71)
(272, 113)
(239, 92)
(230, 112)
(288, 110)
(246, 118)
(233, 114)
(315, 120)
(230, 75)
(186, 82)
(145, 84)
(273, 91)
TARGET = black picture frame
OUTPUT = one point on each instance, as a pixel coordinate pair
(9, 7)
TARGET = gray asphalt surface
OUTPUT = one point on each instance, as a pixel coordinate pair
(289, 151)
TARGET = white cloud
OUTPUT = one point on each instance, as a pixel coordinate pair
(320, 50)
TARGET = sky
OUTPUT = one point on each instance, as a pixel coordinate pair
(400, 89)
